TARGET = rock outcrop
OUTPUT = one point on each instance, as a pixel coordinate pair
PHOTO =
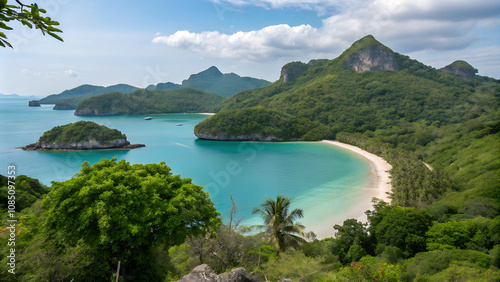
(34, 103)
(222, 136)
(203, 273)
(64, 106)
(373, 58)
(87, 145)
(92, 112)
(462, 68)
(291, 71)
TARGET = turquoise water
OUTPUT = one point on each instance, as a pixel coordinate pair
(325, 181)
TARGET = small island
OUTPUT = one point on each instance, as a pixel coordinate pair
(82, 135)
(34, 103)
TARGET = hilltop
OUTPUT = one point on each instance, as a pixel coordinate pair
(214, 81)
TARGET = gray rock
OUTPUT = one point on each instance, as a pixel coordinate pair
(373, 58)
(203, 273)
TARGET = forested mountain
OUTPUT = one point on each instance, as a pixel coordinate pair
(214, 81)
(181, 100)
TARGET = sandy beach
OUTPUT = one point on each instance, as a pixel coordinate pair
(378, 185)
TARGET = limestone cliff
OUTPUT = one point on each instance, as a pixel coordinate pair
(372, 58)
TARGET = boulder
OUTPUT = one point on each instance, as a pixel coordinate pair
(203, 273)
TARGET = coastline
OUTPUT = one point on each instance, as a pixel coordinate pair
(379, 183)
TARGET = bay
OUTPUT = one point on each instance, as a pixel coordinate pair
(328, 183)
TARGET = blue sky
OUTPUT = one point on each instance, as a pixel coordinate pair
(148, 42)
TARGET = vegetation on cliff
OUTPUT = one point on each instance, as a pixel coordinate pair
(81, 131)
(254, 123)
(182, 100)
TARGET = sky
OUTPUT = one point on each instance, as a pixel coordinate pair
(152, 41)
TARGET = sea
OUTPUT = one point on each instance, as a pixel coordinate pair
(328, 183)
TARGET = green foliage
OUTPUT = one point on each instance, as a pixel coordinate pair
(121, 211)
(81, 131)
(474, 234)
(425, 265)
(400, 227)
(30, 16)
(28, 190)
(280, 225)
(295, 266)
(181, 100)
(258, 121)
(368, 269)
(351, 241)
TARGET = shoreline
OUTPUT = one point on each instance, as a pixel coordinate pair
(379, 182)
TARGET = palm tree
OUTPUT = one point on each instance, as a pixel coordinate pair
(279, 224)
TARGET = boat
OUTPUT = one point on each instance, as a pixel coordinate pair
(179, 124)
(148, 118)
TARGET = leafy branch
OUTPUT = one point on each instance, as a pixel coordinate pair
(28, 15)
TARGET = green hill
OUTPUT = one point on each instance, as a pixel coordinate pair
(68, 99)
(214, 81)
(182, 100)
(254, 124)
(81, 131)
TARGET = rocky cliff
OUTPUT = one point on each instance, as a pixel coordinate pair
(373, 58)
(93, 112)
(91, 144)
(222, 136)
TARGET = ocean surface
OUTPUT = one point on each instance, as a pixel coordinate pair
(328, 183)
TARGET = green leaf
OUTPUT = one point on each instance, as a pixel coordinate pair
(55, 36)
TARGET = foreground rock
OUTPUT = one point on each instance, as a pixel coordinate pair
(82, 135)
(205, 273)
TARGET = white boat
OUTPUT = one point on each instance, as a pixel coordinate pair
(179, 124)
(148, 118)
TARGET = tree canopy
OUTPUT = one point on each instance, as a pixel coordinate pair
(121, 211)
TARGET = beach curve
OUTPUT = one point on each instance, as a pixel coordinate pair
(380, 181)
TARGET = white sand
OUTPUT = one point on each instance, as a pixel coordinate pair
(379, 181)
(207, 114)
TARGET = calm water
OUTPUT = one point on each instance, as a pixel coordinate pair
(326, 182)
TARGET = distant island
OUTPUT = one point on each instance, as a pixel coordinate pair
(181, 100)
(82, 135)
(210, 80)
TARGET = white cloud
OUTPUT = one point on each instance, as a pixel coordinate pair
(71, 73)
(404, 25)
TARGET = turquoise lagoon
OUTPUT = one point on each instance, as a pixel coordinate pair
(330, 184)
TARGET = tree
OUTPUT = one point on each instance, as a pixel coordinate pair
(351, 241)
(122, 211)
(28, 15)
(279, 223)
